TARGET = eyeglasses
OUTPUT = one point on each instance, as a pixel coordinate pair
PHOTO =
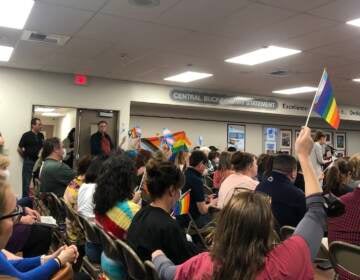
(15, 215)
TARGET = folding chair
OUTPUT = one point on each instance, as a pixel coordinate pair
(194, 230)
(151, 271)
(92, 236)
(286, 232)
(345, 259)
(135, 267)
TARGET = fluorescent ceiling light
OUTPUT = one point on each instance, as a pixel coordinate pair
(297, 90)
(52, 114)
(44, 109)
(5, 53)
(262, 55)
(188, 77)
(355, 22)
(357, 80)
(14, 13)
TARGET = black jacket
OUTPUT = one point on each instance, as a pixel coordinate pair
(95, 142)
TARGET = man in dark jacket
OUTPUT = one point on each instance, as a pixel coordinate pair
(287, 201)
(100, 141)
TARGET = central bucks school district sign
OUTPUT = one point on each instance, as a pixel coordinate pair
(189, 96)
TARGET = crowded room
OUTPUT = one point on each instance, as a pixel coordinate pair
(180, 139)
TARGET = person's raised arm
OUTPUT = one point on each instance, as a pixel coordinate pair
(312, 226)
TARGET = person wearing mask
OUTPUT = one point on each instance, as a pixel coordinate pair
(29, 147)
(287, 201)
(245, 171)
(116, 205)
(54, 174)
(244, 243)
(317, 154)
(39, 267)
(338, 178)
(100, 141)
(199, 208)
(153, 227)
(224, 169)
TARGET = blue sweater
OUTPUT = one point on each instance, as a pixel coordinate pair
(28, 268)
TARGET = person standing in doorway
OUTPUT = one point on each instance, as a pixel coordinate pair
(30, 145)
(317, 155)
(100, 141)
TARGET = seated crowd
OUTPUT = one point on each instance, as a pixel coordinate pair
(239, 201)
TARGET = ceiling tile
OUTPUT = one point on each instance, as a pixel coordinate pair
(125, 9)
(115, 29)
(83, 48)
(249, 19)
(88, 5)
(52, 19)
(198, 15)
(342, 10)
(9, 37)
(303, 5)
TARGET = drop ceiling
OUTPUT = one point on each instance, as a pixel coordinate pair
(113, 39)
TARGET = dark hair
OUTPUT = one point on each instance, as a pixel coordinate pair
(142, 158)
(49, 146)
(83, 164)
(196, 157)
(225, 161)
(213, 148)
(213, 154)
(264, 163)
(335, 179)
(100, 122)
(160, 176)
(71, 135)
(242, 161)
(284, 163)
(231, 149)
(93, 171)
(115, 182)
(34, 120)
(239, 253)
(318, 135)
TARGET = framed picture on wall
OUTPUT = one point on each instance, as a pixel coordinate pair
(329, 139)
(270, 147)
(340, 141)
(285, 139)
(270, 134)
(236, 136)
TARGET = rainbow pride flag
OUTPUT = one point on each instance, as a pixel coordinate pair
(180, 141)
(182, 206)
(325, 103)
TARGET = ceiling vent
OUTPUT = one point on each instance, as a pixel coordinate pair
(145, 3)
(52, 39)
(279, 73)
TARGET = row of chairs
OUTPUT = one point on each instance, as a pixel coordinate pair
(113, 248)
(343, 256)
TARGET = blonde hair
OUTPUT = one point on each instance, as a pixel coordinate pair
(4, 162)
(4, 186)
(355, 166)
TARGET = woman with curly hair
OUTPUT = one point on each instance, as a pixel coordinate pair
(245, 245)
(116, 204)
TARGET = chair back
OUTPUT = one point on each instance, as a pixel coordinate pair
(286, 232)
(109, 247)
(345, 257)
(151, 271)
(56, 207)
(91, 235)
(135, 267)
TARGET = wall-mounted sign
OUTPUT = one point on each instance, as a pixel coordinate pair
(189, 96)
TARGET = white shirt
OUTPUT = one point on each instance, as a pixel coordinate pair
(86, 200)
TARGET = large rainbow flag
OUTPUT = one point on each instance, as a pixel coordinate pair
(181, 141)
(182, 206)
(325, 103)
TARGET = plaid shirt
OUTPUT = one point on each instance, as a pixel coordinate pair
(347, 227)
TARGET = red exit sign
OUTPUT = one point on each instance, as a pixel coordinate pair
(80, 80)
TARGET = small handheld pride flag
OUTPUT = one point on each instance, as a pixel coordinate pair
(182, 206)
(324, 103)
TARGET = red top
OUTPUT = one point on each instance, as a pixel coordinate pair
(220, 176)
(105, 145)
(289, 260)
(347, 226)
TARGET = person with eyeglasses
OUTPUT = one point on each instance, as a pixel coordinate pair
(41, 267)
